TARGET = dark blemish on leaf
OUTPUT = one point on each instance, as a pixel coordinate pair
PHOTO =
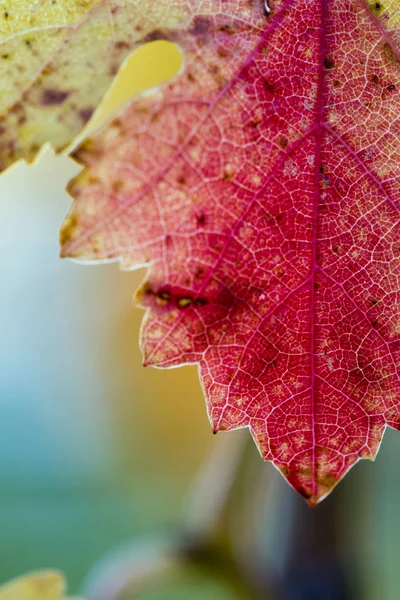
(52, 97)
(283, 142)
(201, 219)
(157, 34)
(85, 114)
(305, 494)
(117, 186)
(376, 7)
(122, 45)
(268, 86)
(227, 175)
(6, 14)
(221, 53)
(374, 323)
(329, 63)
(201, 26)
(336, 83)
(199, 273)
(5, 56)
(336, 249)
(227, 29)
(322, 169)
(190, 77)
(48, 70)
(278, 218)
(374, 302)
(164, 295)
(391, 87)
(200, 302)
(146, 290)
(375, 79)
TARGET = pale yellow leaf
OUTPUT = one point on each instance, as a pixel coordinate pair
(59, 57)
(43, 585)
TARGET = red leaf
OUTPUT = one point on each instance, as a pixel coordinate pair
(261, 188)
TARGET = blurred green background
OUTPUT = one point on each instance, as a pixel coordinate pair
(96, 451)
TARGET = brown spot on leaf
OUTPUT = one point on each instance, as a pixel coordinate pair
(68, 230)
(117, 186)
(329, 63)
(376, 7)
(201, 219)
(122, 45)
(52, 97)
(229, 29)
(268, 86)
(156, 34)
(305, 493)
(86, 113)
(201, 26)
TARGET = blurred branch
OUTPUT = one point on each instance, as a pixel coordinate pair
(201, 542)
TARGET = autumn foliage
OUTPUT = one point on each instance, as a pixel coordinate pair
(261, 187)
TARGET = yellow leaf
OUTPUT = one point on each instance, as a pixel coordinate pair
(44, 585)
(57, 60)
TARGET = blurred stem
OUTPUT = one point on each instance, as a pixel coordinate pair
(201, 542)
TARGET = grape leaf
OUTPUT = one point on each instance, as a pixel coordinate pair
(46, 585)
(261, 188)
